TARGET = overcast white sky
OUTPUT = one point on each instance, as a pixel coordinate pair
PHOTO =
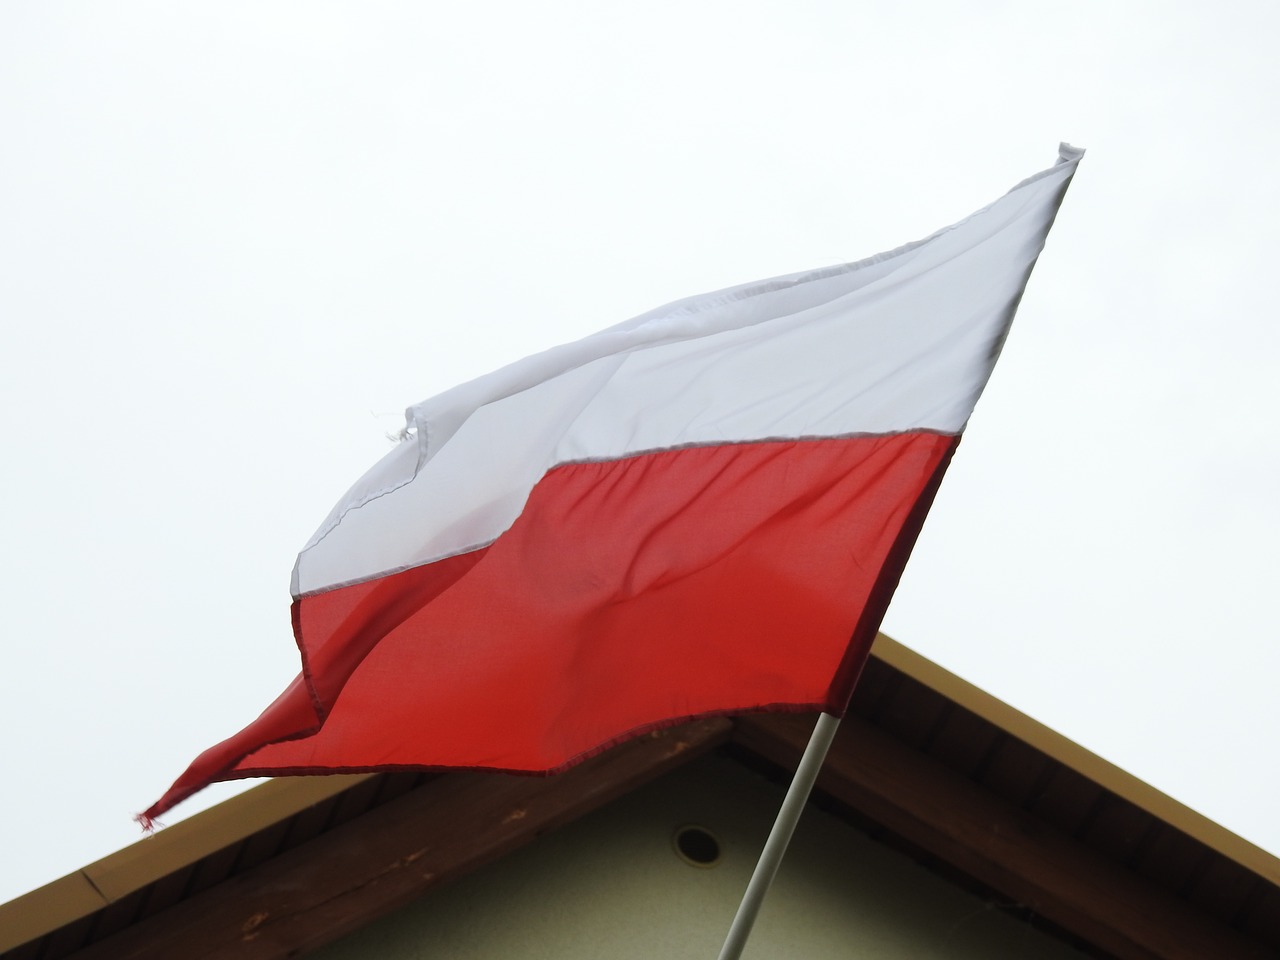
(237, 239)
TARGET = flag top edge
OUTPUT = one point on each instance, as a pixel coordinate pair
(433, 422)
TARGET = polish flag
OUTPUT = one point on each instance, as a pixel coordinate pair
(703, 510)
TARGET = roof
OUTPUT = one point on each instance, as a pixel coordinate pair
(924, 761)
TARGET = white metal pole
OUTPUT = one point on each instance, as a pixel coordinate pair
(783, 826)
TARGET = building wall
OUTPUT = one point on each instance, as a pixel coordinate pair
(613, 887)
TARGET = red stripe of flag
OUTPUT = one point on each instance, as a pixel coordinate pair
(629, 595)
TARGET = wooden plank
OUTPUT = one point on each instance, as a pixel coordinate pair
(1119, 782)
(210, 830)
(122, 874)
(364, 869)
(70, 898)
(1000, 845)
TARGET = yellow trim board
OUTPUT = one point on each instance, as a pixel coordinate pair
(47, 908)
(1067, 752)
(119, 874)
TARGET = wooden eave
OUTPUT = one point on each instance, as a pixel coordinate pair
(924, 760)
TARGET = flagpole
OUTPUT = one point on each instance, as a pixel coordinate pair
(783, 826)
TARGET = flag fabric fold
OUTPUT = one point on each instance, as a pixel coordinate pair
(699, 511)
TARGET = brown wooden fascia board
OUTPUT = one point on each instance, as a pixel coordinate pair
(89, 889)
(999, 844)
(370, 866)
(47, 908)
(1071, 754)
(211, 830)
